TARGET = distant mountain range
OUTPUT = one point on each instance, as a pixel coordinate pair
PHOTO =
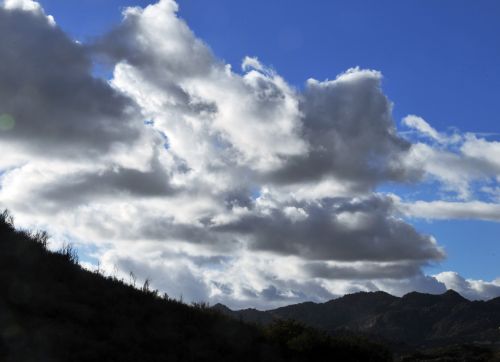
(415, 319)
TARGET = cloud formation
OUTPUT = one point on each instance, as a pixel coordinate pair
(469, 288)
(446, 210)
(217, 184)
(59, 109)
(459, 162)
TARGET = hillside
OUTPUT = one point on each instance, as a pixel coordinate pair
(416, 319)
(53, 310)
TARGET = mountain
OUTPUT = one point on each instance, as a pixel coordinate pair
(53, 310)
(415, 319)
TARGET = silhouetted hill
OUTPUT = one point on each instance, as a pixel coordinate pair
(53, 310)
(415, 319)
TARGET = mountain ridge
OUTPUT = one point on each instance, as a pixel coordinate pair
(413, 319)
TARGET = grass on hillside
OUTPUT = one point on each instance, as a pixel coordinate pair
(51, 309)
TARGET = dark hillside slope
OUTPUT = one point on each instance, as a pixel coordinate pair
(53, 310)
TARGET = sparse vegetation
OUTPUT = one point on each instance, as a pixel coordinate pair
(51, 309)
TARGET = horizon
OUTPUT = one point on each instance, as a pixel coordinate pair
(308, 153)
(354, 293)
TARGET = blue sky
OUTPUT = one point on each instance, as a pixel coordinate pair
(439, 61)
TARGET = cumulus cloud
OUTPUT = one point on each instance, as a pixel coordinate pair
(419, 282)
(458, 163)
(335, 229)
(466, 168)
(30, 6)
(347, 123)
(58, 108)
(196, 99)
(220, 185)
(68, 130)
(470, 288)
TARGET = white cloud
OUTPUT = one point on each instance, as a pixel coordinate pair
(452, 210)
(417, 283)
(421, 126)
(295, 213)
(482, 150)
(459, 162)
(28, 5)
(469, 288)
(250, 63)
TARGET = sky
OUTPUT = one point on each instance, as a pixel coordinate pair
(258, 153)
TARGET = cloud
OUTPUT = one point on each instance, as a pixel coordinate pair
(469, 288)
(422, 127)
(467, 169)
(417, 283)
(108, 184)
(46, 87)
(67, 128)
(363, 271)
(227, 280)
(29, 6)
(459, 163)
(178, 281)
(347, 123)
(334, 229)
(255, 120)
(446, 210)
(482, 150)
(220, 185)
